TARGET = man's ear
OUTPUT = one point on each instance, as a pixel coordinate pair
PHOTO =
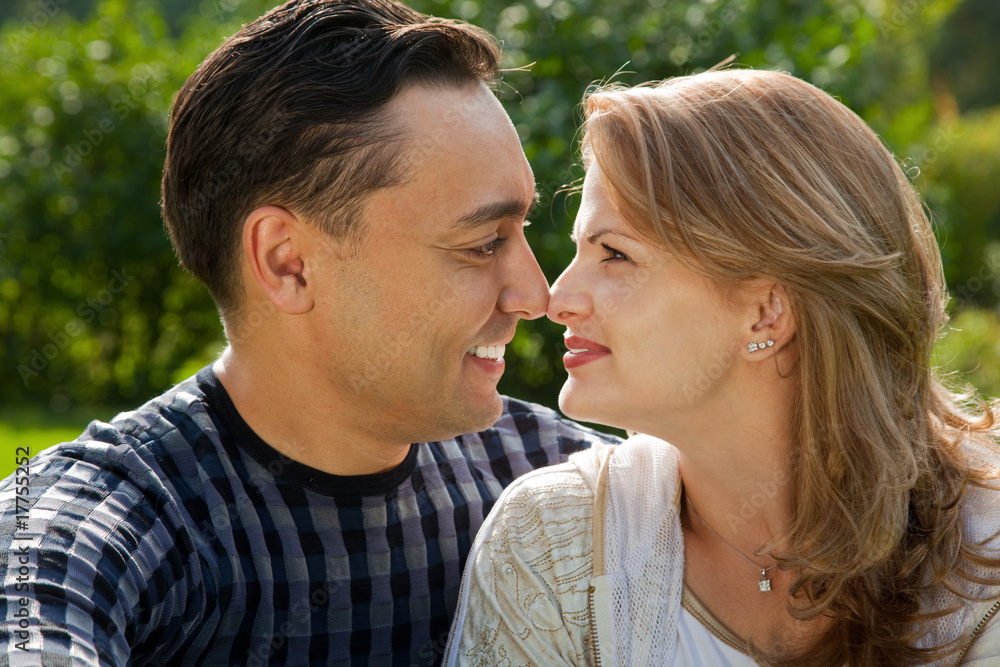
(274, 243)
(773, 326)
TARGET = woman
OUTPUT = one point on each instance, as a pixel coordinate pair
(756, 283)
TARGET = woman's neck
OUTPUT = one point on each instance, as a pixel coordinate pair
(737, 465)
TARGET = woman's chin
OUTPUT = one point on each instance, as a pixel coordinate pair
(583, 406)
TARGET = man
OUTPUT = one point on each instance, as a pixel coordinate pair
(344, 182)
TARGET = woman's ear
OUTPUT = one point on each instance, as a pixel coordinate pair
(774, 325)
(275, 247)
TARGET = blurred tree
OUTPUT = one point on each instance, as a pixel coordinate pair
(961, 169)
(94, 308)
(965, 57)
(37, 14)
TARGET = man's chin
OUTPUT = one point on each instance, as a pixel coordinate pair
(474, 416)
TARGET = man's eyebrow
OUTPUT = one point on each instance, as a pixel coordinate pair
(499, 210)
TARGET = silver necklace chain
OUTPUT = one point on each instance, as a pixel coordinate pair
(765, 582)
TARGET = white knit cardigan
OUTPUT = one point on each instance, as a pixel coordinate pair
(542, 587)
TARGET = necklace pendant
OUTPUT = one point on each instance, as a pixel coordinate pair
(764, 583)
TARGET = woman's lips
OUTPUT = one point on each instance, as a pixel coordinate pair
(582, 351)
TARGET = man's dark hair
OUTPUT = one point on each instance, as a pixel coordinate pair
(289, 111)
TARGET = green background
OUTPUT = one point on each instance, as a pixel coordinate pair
(96, 316)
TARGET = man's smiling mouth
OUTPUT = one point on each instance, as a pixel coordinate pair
(487, 351)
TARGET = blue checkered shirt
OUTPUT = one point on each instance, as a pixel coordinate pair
(174, 535)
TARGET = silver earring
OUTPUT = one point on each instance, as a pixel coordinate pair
(753, 347)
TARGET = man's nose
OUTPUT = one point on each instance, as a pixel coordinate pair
(526, 291)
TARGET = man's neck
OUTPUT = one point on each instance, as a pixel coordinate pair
(299, 418)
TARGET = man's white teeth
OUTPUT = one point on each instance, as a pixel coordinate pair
(488, 351)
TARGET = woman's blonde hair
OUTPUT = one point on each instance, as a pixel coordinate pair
(747, 174)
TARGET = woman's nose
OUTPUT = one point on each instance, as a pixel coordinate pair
(567, 299)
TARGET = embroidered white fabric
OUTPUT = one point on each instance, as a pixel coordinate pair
(644, 553)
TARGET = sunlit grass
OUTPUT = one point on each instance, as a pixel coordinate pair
(36, 430)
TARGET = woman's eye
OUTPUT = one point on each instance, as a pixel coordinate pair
(487, 249)
(614, 255)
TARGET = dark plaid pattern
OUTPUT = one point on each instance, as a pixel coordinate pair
(174, 535)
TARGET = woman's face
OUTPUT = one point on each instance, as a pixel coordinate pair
(649, 339)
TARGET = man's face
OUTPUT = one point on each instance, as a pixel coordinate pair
(444, 269)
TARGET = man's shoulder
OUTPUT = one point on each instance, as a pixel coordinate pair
(132, 444)
(525, 417)
(527, 436)
(181, 412)
(541, 434)
(516, 406)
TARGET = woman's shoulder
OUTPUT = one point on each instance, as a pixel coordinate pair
(973, 603)
(646, 451)
(981, 501)
(643, 479)
(525, 593)
(553, 508)
(548, 497)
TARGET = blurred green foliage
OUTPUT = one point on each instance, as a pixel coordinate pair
(94, 309)
(970, 350)
(966, 57)
(959, 180)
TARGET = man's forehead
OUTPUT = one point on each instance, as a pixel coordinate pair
(424, 108)
(462, 153)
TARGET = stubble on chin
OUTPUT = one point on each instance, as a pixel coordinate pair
(472, 418)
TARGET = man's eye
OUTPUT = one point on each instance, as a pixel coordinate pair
(614, 255)
(487, 249)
